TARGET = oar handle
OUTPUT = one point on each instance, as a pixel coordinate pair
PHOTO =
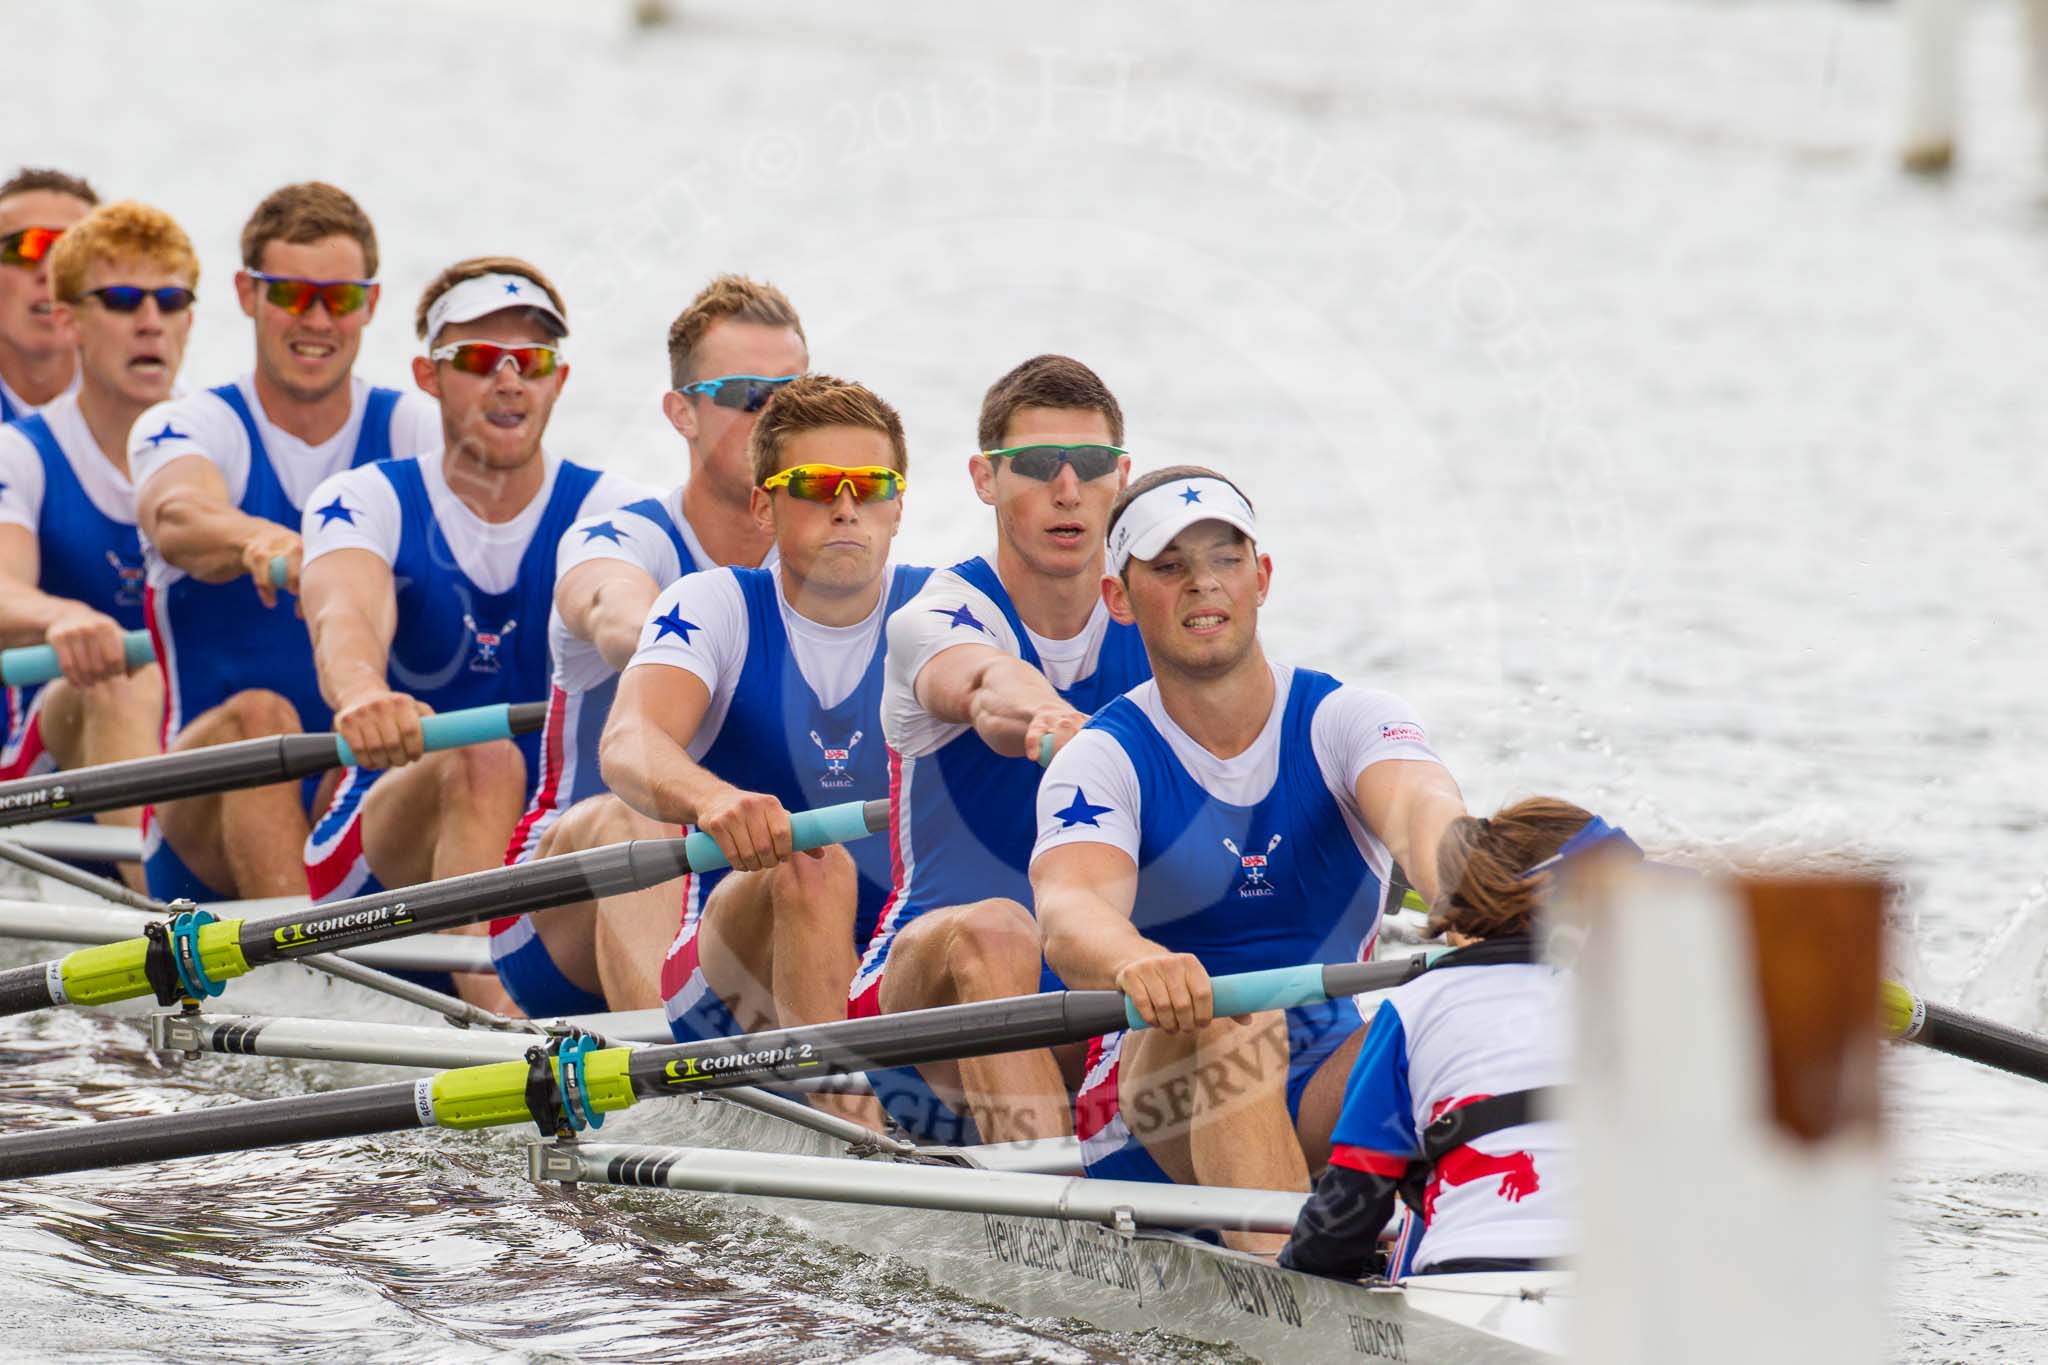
(1045, 748)
(32, 664)
(807, 828)
(455, 729)
(1284, 988)
(280, 572)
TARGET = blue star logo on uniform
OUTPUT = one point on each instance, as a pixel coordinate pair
(1080, 812)
(1191, 494)
(605, 530)
(961, 616)
(511, 288)
(334, 512)
(674, 624)
(169, 433)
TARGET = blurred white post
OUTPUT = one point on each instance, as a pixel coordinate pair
(1933, 33)
(1732, 1176)
(2037, 65)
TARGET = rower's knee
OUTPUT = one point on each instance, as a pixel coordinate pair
(594, 822)
(814, 887)
(992, 951)
(249, 715)
(125, 697)
(480, 771)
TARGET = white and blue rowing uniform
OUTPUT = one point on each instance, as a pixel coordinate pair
(13, 407)
(795, 712)
(655, 537)
(1256, 861)
(472, 600)
(57, 484)
(961, 815)
(1481, 1023)
(215, 640)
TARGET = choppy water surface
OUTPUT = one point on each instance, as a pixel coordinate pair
(1601, 387)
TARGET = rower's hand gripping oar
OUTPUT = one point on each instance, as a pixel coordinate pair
(576, 1090)
(210, 953)
(1911, 1019)
(32, 664)
(232, 767)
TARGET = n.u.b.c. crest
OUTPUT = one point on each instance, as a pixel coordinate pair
(128, 580)
(484, 657)
(1253, 867)
(836, 758)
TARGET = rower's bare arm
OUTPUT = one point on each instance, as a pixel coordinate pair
(351, 610)
(1083, 894)
(1009, 703)
(645, 758)
(1409, 803)
(606, 601)
(89, 644)
(185, 511)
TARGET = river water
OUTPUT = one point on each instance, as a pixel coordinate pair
(1604, 390)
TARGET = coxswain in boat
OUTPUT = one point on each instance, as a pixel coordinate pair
(124, 279)
(1439, 1110)
(757, 692)
(221, 479)
(993, 660)
(38, 363)
(1232, 815)
(729, 351)
(427, 587)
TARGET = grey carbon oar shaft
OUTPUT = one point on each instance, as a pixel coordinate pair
(231, 767)
(494, 1094)
(231, 948)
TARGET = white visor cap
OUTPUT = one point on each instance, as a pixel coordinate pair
(1155, 518)
(487, 294)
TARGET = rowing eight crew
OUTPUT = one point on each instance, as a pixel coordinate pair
(1232, 813)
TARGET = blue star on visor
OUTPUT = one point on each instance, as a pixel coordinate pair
(169, 433)
(1191, 494)
(605, 530)
(334, 511)
(674, 624)
(511, 288)
(961, 616)
(1080, 812)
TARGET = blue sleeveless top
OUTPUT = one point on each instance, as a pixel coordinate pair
(456, 645)
(86, 555)
(583, 731)
(217, 639)
(778, 737)
(972, 813)
(1244, 888)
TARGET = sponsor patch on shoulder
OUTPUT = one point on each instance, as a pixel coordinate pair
(1403, 732)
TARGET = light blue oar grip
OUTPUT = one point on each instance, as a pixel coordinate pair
(32, 664)
(478, 725)
(1045, 751)
(808, 829)
(1277, 988)
(280, 571)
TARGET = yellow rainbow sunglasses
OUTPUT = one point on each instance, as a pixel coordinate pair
(822, 482)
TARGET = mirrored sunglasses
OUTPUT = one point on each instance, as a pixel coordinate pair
(822, 482)
(296, 296)
(1043, 462)
(747, 392)
(484, 358)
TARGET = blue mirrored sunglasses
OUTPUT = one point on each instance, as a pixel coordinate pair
(747, 392)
